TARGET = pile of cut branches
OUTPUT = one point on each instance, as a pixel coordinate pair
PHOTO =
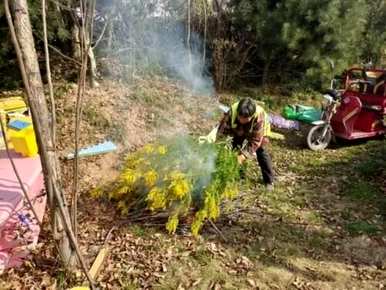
(178, 177)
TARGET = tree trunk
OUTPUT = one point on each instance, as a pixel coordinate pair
(265, 77)
(90, 38)
(110, 30)
(93, 68)
(204, 2)
(76, 50)
(110, 27)
(37, 102)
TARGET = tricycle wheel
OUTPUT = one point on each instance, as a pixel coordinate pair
(319, 137)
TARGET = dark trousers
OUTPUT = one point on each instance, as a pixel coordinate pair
(263, 159)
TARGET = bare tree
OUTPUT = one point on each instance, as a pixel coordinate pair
(21, 33)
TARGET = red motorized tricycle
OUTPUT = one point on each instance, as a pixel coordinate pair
(356, 111)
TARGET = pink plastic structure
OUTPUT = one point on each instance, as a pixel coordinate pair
(19, 229)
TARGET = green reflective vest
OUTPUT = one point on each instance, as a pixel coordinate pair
(259, 111)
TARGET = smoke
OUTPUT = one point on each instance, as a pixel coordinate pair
(181, 62)
(187, 156)
(151, 38)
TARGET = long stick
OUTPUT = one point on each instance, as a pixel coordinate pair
(74, 202)
(217, 230)
(85, 46)
(63, 55)
(53, 110)
(48, 69)
(102, 34)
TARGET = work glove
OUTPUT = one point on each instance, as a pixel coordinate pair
(210, 138)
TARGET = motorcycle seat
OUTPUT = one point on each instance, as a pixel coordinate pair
(373, 101)
(373, 108)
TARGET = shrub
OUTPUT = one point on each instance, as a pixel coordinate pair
(180, 177)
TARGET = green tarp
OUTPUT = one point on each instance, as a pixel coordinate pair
(301, 113)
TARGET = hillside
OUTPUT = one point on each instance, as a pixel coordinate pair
(321, 228)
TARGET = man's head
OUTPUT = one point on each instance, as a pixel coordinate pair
(246, 110)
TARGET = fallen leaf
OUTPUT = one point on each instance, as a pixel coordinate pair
(164, 269)
(251, 282)
(195, 283)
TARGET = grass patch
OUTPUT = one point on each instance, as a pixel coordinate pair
(317, 242)
(130, 286)
(202, 256)
(313, 217)
(95, 118)
(362, 190)
(61, 279)
(362, 227)
(190, 275)
(370, 167)
(138, 231)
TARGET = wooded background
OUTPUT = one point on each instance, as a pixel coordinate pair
(286, 44)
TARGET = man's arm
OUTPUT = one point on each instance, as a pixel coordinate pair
(224, 126)
(255, 138)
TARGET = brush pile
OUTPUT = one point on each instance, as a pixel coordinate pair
(178, 177)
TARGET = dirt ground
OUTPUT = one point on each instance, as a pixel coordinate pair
(323, 227)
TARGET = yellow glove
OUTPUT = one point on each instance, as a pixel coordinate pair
(210, 138)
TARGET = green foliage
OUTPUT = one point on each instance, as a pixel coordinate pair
(375, 161)
(301, 36)
(179, 177)
(362, 190)
(371, 167)
(362, 227)
(283, 42)
(374, 39)
(58, 27)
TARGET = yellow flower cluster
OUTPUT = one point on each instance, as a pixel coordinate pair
(162, 150)
(230, 191)
(156, 199)
(172, 224)
(212, 207)
(148, 149)
(198, 221)
(152, 178)
(153, 149)
(96, 192)
(179, 185)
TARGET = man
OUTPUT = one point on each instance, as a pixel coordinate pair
(246, 120)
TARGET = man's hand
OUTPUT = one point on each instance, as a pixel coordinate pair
(241, 158)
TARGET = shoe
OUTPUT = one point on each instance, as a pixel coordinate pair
(269, 187)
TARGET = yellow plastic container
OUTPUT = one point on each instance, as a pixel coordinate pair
(13, 104)
(24, 141)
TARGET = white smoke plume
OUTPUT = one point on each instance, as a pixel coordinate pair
(151, 37)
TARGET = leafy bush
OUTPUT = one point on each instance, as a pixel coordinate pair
(180, 177)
